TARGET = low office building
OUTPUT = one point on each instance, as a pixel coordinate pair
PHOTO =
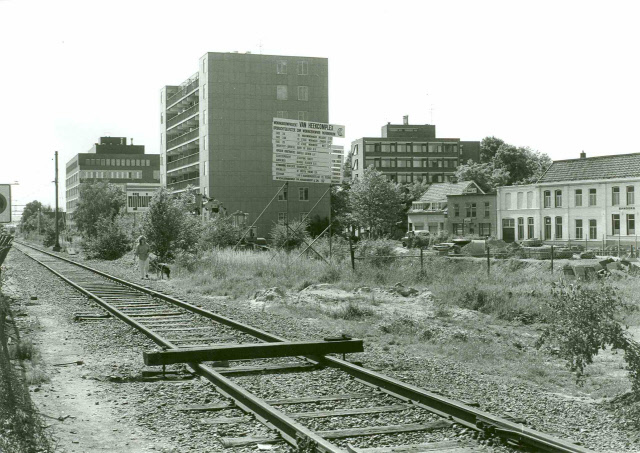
(431, 210)
(471, 213)
(590, 200)
(113, 160)
(409, 153)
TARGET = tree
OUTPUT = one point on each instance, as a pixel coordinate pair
(523, 164)
(168, 225)
(375, 202)
(485, 175)
(97, 200)
(340, 211)
(31, 214)
(488, 148)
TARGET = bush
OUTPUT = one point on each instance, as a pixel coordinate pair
(111, 239)
(290, 238)
(378, 252)
(585, 321)
(219, 231)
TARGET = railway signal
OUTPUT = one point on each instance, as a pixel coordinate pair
(5, 203)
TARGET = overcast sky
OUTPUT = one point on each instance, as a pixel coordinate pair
(559, 77)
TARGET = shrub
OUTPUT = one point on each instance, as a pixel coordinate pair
(219, 231)
(111, 239)
(352, 311)
(585, 321)
(291, 237)
(378, 252)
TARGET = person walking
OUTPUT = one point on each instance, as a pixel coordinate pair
(142, 253)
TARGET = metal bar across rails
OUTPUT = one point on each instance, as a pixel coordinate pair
(460, 413)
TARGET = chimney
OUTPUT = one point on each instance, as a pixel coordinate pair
(405, 120)
(583, 155)
(122, 141)
(131, 141)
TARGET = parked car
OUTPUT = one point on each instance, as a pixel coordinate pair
(421, 234)
(447, 247)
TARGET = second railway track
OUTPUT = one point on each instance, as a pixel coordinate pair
(344, 404)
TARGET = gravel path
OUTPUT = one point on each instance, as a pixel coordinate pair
(150, 407)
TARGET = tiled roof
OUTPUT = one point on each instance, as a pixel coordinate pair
(601, 167)
(439, 191)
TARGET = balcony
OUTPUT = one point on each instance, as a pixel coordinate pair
(186, 88)
(182, 184)
(193, 110)
(180, 139)
(183, 161)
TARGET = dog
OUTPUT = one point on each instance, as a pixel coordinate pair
(161, 269)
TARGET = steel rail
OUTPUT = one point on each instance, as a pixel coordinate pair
(290, 430)
(460, 413)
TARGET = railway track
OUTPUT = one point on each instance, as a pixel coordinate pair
(344, 404)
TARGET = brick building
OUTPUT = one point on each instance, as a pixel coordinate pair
(472, 213)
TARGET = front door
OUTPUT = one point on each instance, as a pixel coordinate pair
(508, 230)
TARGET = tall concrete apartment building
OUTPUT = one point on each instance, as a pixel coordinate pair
(216, 132)
(111, 159)
(408, 153)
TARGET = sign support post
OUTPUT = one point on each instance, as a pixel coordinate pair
(56, 247)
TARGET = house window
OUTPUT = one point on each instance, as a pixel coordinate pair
(547, 228)
(519, 199)
(593, 229)
(282, 114)
(615, 223)
(282, 217)
(630, 195)
(458, 229)
(520, 227)
(487, 209)
(281, 68)
(303, 194)
(615, 196)
(507, 201)
(578, 197)
(578, 228)
(558, 227)
(592, 197)
(558, 198)
(530, 230)
(302, 116)
(282, 93)
(547, 198)
(303, 93)
(473, 210)
(631, 224)
(456, 210)
(402, 148)
(303, 68)
(529, 200)
(282, 196)
(484, 229)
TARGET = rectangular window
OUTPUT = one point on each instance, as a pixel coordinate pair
(547, 228)
(456, 210)
(282, 93)
(458, 229)
(615, 223)
(404, 177)
(593, 229)
(507, 201)
(282, 196)
(631, 224)
(386, 147)
(547, 198)
(282, 114)
(558, 198)
(303, 194)
(404, 163)
(520, 227)
(147, 163)
(578, 228)
(281, 67)
(302, 115)
(592, 197)
(578, 197)
(282, 217)
(530, 229)
(630, 195)
(402, 148)
(484, 229)
(473, 209)
(303, 93)
(615, 196)
(487, 209)
(558, 227)
(103, 162)
(303, 68)
(417, 162)
(529, 200)
(519, 200)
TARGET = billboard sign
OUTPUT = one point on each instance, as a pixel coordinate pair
(303, 151)
(5, 203)
(139, 195)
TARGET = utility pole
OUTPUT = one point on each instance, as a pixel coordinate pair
(57, 248)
